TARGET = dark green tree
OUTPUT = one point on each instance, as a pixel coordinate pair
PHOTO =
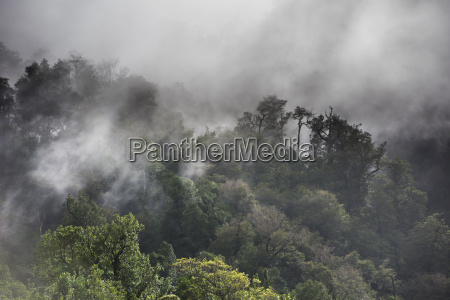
(347, 158)
(46, 100)
(270, 117)
(303, 117)
(312, 290)
(82, 211)
(428, 246)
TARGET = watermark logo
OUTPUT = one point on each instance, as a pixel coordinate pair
(240, 150)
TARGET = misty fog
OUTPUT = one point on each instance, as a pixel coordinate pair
(380, 63)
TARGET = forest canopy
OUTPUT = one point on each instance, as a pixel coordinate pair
(79, 221)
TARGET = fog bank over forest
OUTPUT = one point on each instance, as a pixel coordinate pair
(365, 83)
(381, 63)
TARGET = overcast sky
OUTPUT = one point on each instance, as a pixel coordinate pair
(168, 40)
(382, 63)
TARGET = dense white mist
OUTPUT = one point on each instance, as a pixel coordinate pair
(375, 61)
(167, 41)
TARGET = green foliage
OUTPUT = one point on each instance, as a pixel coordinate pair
(369, 244)
(395, 202)
(425, 286)
(83, 212)
(269, 119)
(169, 297)
(112, 249)
(277, 235)
(347, 158)
(165, 257)
(320, 210)
(317, 272)
(213, 279)
(352, 225)
(348, 284)
(428, 246)
(231, 237)
(72, 286)
(312, 290)
(237, 195)
(10, 288)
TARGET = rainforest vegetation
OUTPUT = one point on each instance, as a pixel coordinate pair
(79, 221)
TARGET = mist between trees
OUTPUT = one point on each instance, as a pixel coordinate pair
(79, 221)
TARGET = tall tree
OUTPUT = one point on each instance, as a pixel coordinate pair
(347, 158)
(303, 117)
(270, 117)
